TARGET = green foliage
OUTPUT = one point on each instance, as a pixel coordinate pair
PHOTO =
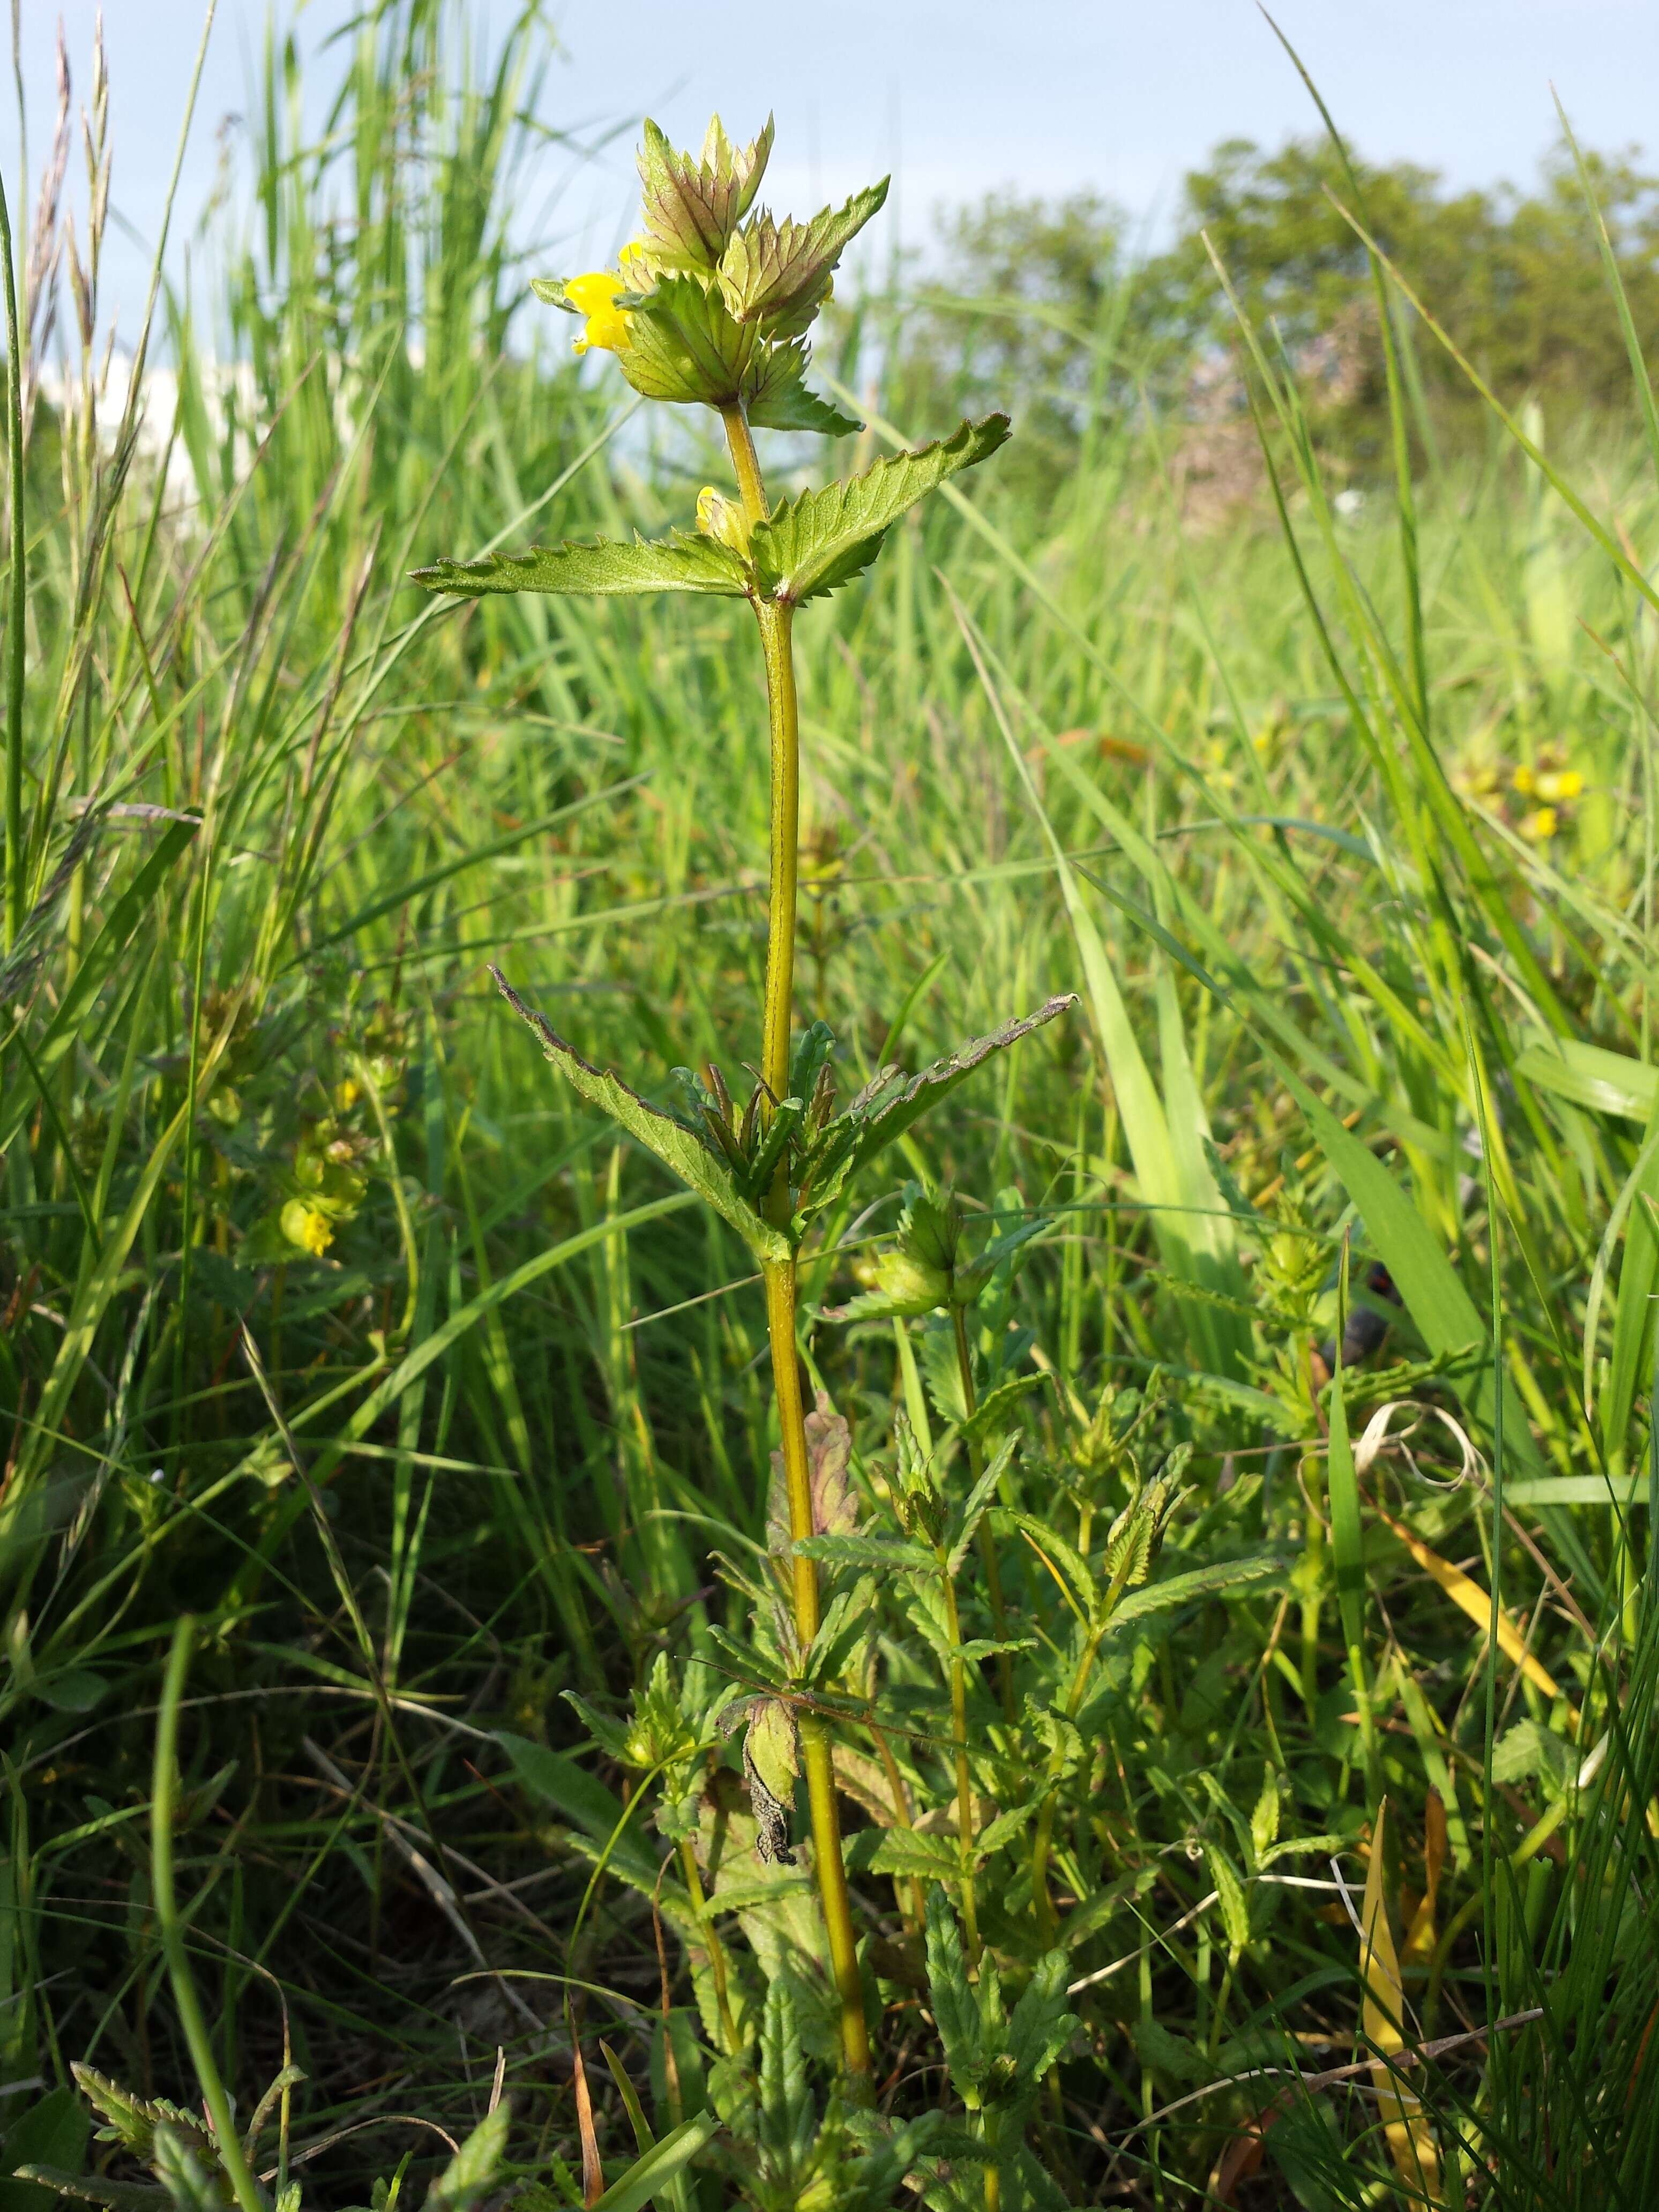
(681, 563)
(510, 1430)
(825, 539)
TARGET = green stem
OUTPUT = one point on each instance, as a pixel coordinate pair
(711, 1942)
(17, 613)
(229, 2142)
(783, 717)
(989, 1561)
(960, 1751)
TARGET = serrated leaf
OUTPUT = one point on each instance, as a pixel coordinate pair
(777, 274)
(995, 1407)
(1264, 1817)
(891, 1101)
(1005, 1826)
(787, 2118)
(684, 345)
(775, 396)
(883, 1553)
(690, 208)
(1230, 1895)
(824, 539)
(186, 2180)
(689, 561)
(673, 1144)
(1053, 1549)
(1041, 2027)
(94, 2189)
(975, 1504)
(610, 1735)
(1164, 2052)
(905, 1852)
(848, 1619)
(1201, 1581)
(956, 2013)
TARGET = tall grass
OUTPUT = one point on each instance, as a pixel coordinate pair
(1255, 789)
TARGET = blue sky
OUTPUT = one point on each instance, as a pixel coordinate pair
(1047, 95)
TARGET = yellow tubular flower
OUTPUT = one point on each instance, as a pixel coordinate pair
(304, 1225)
(1540, 825)
(595, 296)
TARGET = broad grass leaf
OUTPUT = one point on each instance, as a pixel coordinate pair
(686, 562)
(673, 1143)
(1410, 2144)
(1435, 1298)
(581, 1801)
(73, 1013)
(652, 2174)
(825, 538)
(1475, 1603)
(1189, 1219)
(51, 2133)
(469, 2174)
(1590, 1075)
(1342, 1491)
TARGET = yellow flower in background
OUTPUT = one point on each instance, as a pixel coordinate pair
(1523, 779)
(1540, 824)
(595, 296)
(1557, 786)
(306, 1227)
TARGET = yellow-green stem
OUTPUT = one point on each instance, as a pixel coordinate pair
(783, 720)
(711, 1941)
(988, 1551)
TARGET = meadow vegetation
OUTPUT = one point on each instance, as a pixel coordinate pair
(1236, 1557)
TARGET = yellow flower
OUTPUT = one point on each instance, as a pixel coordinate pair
(721, 518)
(304, 1225)
(1559, 784)
(1523, 779)
(595, 296)
(1540, 824)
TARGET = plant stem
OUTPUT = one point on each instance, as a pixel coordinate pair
(988, 1550)
(18, 612)
(711, 1942)
(783, 718)
(228, 2142)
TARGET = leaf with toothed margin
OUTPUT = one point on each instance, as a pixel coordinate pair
(825, 538)
(775, 396)
(673, 1143)
(777, 275)
(690, 208)
(891, 1100)
(686, 562)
